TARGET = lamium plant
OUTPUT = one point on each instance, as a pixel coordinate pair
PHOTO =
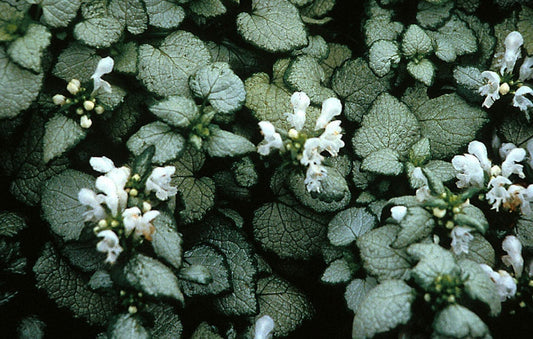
(266, 169)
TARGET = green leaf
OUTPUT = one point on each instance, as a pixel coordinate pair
(431, 15)
(525, 20)
(207, 8)
(218, 84)
(288, 229)
(472, 216)
(245, 172)
(338, 54)
(318, 8)
(484, 33)
(166, 70)
(197, 194)
(469, 81)
(126, 60)
(10, 15)
(274, 26)
(241, 60)
(176, 111)
(416, 42)
(337, 272)
(379, 258)
(516, 129)
(100, 29)
(479, 286)
(524, 231)
(317, 48)
(83, 255)
(61, 134)
(128, 326)
(358, 86)
(386, 306)
(27, 51)
(385, 161)
(131, 14)
(481, 251)
(124, 118)
(420, 153)
(60, 204)
(111, 100)
(164, 14)
(306, 75)
(239, 254)
(217, 267)
(167, 324)
(388, 124)
(416, 225)
(285, 304)
(222, 143)
(152, 277)
(68, 289)
(423, 71)
(356, 292)
(10, 224)
(380, 27)
(447, 121)
(346, 226)
(166, 240)
(454, 39)
(433, 262)
(59, 13)
(19, 87)
(168, 143)
(466, 324)
(31, 327)
(100, 280)
(76, 62)
(196, 273)
(382, 55)
(205, 331)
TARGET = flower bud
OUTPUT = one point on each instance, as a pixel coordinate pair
(136, 177)
(79, 111)
(59, 99)
(439, 213)
(74, 86)
(134, 192)
(114, 223)
(504, 88)
(495, 171)
(102, 223)
(85, 122)
(99, 109)
(88, 105)
(146, 206)
(132, 309)
(293, 134)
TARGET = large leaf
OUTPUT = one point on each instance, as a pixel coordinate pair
(76, 62)
(516, 129)
(454, 39)
(207, 8)
(176, 111)
(166, 70)
(68, 289)
(416, 225)
(478, 285)
(274, 26)
(168, 143)
(338, 54)
(164, 14)
(222, 143)
(385, 307)
(19, 87)
(166, 240)
(346, 226)
(28, 50)
(59, 13)
(466, 324)
(385, 161)
(167, 324)
(447, 121)
(337, 272)
(61, 134)
(60, 204)
(389, 124)
(131, 14)
(286, 305)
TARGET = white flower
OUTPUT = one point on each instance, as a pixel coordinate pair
(423, 194)
(331, 138)
(469, 171)
(88, 198)
(461, 238)
(526, 198)
(59, 99)
(498, 194)
(520, 100)
(491, 89)
(526, 70)
(74, 86)
(311, 153)
(300, 101)
(263, 327)
(529, 147)
(398, 212)
(480, 151)
(330, 108)
(315, 173)
(102, 164)
(112, 185)
(104, 66)
(505, 284)
(512, 43)
(159, 182)
(505, 148)
(85, 122)
(110, 245)
(510, 166)
(272, 139)
(513, 247)
(139, 224)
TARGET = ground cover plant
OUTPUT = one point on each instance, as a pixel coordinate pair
(256, 169)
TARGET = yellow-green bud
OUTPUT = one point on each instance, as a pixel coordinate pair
(530, 283)
(439, 213)
(293, 134)
(456, 210)
(146, 206)
(522, 304)
(74, 86)
(88, 105)
(451, 299)
(114, 223)
(99, 109)
(495, 171)
(132, 309)
(59, 99)
(134, 192)
(427, 297)
(136, 177)
(79, 111)
(122, 293)
(102, 223)
(504, 88)
(85, 122)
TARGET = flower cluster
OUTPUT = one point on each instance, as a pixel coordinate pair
(302, 148)
(474, 169)
(87, 101)
(109, 207)
(505, 82)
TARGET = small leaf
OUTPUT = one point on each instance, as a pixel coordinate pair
(454, 39)
(61, 134)
(222, 143)
(338, 54)
(197, 274)
(176, 111)
(423, 71)
(356, 292)
(525, 20)
(100, 280)
(434, 261)
(431, 15)
(469, 81)
(346, 226)
(337, 272)
(416, 42)
(76, 62)
(126, 60)
(166, 240)
(99, 31)
(516, 129)
(382, 55)
(164, 14)
(59, 13)
(218, 84)
(286, 305)
(207, 8)
(131, 14)
(274, 26)
(386, 161)
(478, 285)
(318, 8)
(420, 153)
(466, 324)
(473, 217)
(524, 231)
(152, 277)
(27, 51)
(60, 204)
(167, 324)
(31, 327)
(128, 326)
(380, 27)
(317, 48)
(386, 306)
(10, 224)
(168, 143)
(416, 225)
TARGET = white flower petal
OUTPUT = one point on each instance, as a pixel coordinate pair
(461, 238)
(510, 166)
(398, 212)
(512, 43)
(513, 247)
(104, 66)
(330, 108)
(263, 327)
(526, 70)
(520, 100)
(102, 164)
(491, 89)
